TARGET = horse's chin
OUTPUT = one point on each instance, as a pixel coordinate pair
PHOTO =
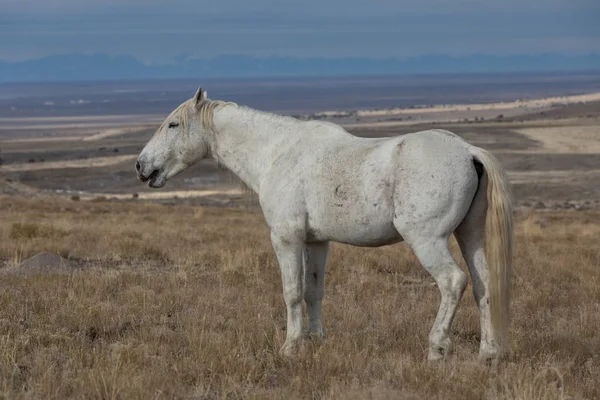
(157, 182)
(160, 178)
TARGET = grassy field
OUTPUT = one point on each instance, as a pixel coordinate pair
(169, 301)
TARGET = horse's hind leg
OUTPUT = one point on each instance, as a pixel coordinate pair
(470, 236)
(315, 258)
(435, 256)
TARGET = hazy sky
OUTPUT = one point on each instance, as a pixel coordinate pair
(157, 31)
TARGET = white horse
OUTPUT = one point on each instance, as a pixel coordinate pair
(318, 183)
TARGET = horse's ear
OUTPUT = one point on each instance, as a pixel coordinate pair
(199, 97)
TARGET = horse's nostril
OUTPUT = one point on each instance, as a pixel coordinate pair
(138, 166)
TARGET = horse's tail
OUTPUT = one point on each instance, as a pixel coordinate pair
(498, 241)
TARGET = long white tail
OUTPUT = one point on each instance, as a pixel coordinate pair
(498, 241)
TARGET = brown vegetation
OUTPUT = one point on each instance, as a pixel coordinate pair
(185, 302)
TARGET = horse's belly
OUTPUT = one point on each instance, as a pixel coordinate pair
(371, 238)
(356, 228)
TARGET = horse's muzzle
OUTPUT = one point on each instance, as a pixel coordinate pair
(145, 174)
(153, 175)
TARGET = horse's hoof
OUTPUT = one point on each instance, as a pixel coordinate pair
(316, 336)
(435, 355)
(486, 356)
(440, 351)
(491, 356)
(290, 349)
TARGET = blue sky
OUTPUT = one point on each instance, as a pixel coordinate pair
(158, 31)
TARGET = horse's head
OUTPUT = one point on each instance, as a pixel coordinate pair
(180, 142)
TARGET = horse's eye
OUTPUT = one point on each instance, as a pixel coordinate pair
(173, 125)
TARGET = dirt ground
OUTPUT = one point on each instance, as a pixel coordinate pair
(553, 157)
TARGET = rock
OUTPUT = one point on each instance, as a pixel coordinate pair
(539, 221)
(44, 263)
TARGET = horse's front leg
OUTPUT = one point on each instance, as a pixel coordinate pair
(289, 254)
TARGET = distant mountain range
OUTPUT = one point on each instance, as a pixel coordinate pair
(77, 67)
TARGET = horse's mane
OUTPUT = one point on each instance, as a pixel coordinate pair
(206, 111)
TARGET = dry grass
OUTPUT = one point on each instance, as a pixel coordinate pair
(182, 302)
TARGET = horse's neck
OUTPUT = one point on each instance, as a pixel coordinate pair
(246, 142)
